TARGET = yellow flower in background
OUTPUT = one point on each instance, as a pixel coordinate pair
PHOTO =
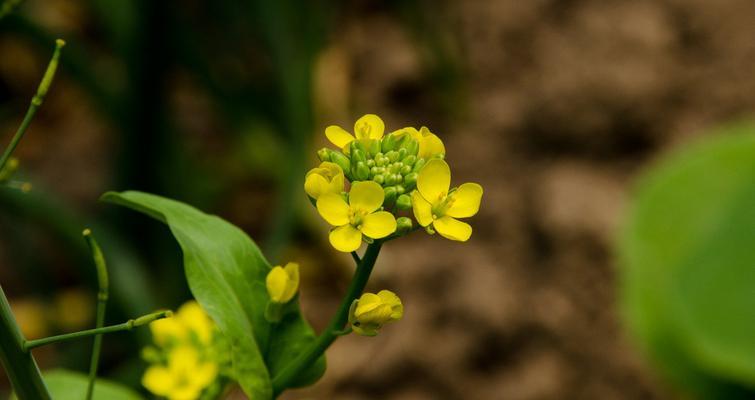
(371, 311)
(434, 205)
(183, 378)
(282, 283)
(357, 217)
(369, 126)
(327, 178)
(189, 322)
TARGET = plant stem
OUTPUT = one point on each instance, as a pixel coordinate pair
(330, 334)
(126, 326)
(20, 366)
(102, 297)
(36, 101)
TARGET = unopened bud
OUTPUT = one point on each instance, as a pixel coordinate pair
(401, 153)
(341, 160)
(392, 156)
(405, 169)
(390, 195)
(404, 225)
(361, 172)
(324, 154)
(404, 202)
(371, 163)
(409, 160)
(410, 179)
(390, 179)
(419, 164)
(400, 189)
(388, 143)
(358, 155)
(379, 179)
(373, 147)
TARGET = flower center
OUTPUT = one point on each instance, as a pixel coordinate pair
(355, 217)
(441, 206)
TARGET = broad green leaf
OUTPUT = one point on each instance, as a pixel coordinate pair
(688, 258)
(226, 273)
(69, 385)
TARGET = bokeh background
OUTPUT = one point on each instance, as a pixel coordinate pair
(554, 106)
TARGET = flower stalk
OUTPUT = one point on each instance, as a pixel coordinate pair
(102, 297)
(336, 326)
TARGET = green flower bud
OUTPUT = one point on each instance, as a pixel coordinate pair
(380, 160)
(374, 170)
(358, 155)
(390, 179)
(419, 164)
(394, 168)
(411, 146)
(392, 156)
(404, 202)
(388, 143)
(410, 179)
(409, 160)
(341, 160)
(400, 189)
(390, 195)
(404, 225)
(405, 170)
(324, 154)
(370, 163)
(362, 172)
(379, 179)
(401, 153)
(373, 147)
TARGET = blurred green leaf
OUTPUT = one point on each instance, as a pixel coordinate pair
(226, 273)
(689, 265)
(69, 385)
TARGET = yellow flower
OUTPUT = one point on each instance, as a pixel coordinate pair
(430, 145)
(357, 217)
(369, 126)
(183, 378)
(372, 311)
(282, 283)
(327, 178)
(190, 321)
(434, 205)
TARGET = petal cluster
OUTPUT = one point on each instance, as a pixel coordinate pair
(183, 378)
(371, 311)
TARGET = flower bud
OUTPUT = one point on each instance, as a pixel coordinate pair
(409, 160)
(419, 164)
(358, 155)
(371, 311)
(411, 146)
(339, 158)
(404, 225)
(390, 179)
(388, 143)
(404, 202)
(390, 195)
(327, 178)
(282, 283)
(371, 163)
(401, 153)
(400, 189)
(380, 179)
(324, 154)
(361, 172)
(406, 169)
(392, 156)
(410, 179)
(373, 147)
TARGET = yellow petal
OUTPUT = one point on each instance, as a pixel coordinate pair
(453, 229)
(466, 201)
(345, 238)
(422, 209)
(333, 209)
(192, 316)
(366, 196)
(188, 391)
(430, 145)
(315, 185)
(369, 126)
(292, 285)
(389, 298)
(434, 180)
(409, 130)
(205, 374)
(338, 136)
(378, 224)
(276, 282)
(367, 303)
(182, 359)
(158, 380)
(167, 330)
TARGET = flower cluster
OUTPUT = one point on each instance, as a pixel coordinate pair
(187, 359)
(364, 188)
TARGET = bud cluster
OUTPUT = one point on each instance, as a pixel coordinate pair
(392, 162)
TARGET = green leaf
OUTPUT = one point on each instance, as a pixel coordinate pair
(69, 385)
(688, 262)
(226, 273)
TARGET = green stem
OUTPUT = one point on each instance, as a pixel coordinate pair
(20, 366)
(102, 297)
(36, 101)
(126, 326)
(331, 333)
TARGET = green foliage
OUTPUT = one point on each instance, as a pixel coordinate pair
(688, 264)
(226, 273)
(69, 385)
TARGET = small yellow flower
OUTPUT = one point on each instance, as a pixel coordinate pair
(327, 178)
(430, 145)
(282, 283)
(183, 378)
(372, 311)
(190, 321)
(434, 205)
(369, 126)
(357, 217)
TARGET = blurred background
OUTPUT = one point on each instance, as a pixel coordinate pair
(554, 106)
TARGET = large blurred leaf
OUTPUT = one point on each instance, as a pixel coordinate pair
(688, 258)
(226, 273)
(69, 385)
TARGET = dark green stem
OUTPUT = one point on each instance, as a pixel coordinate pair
(20, 366)
(36, 101)
(126, 326)
(102, 297)
(336, 326)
